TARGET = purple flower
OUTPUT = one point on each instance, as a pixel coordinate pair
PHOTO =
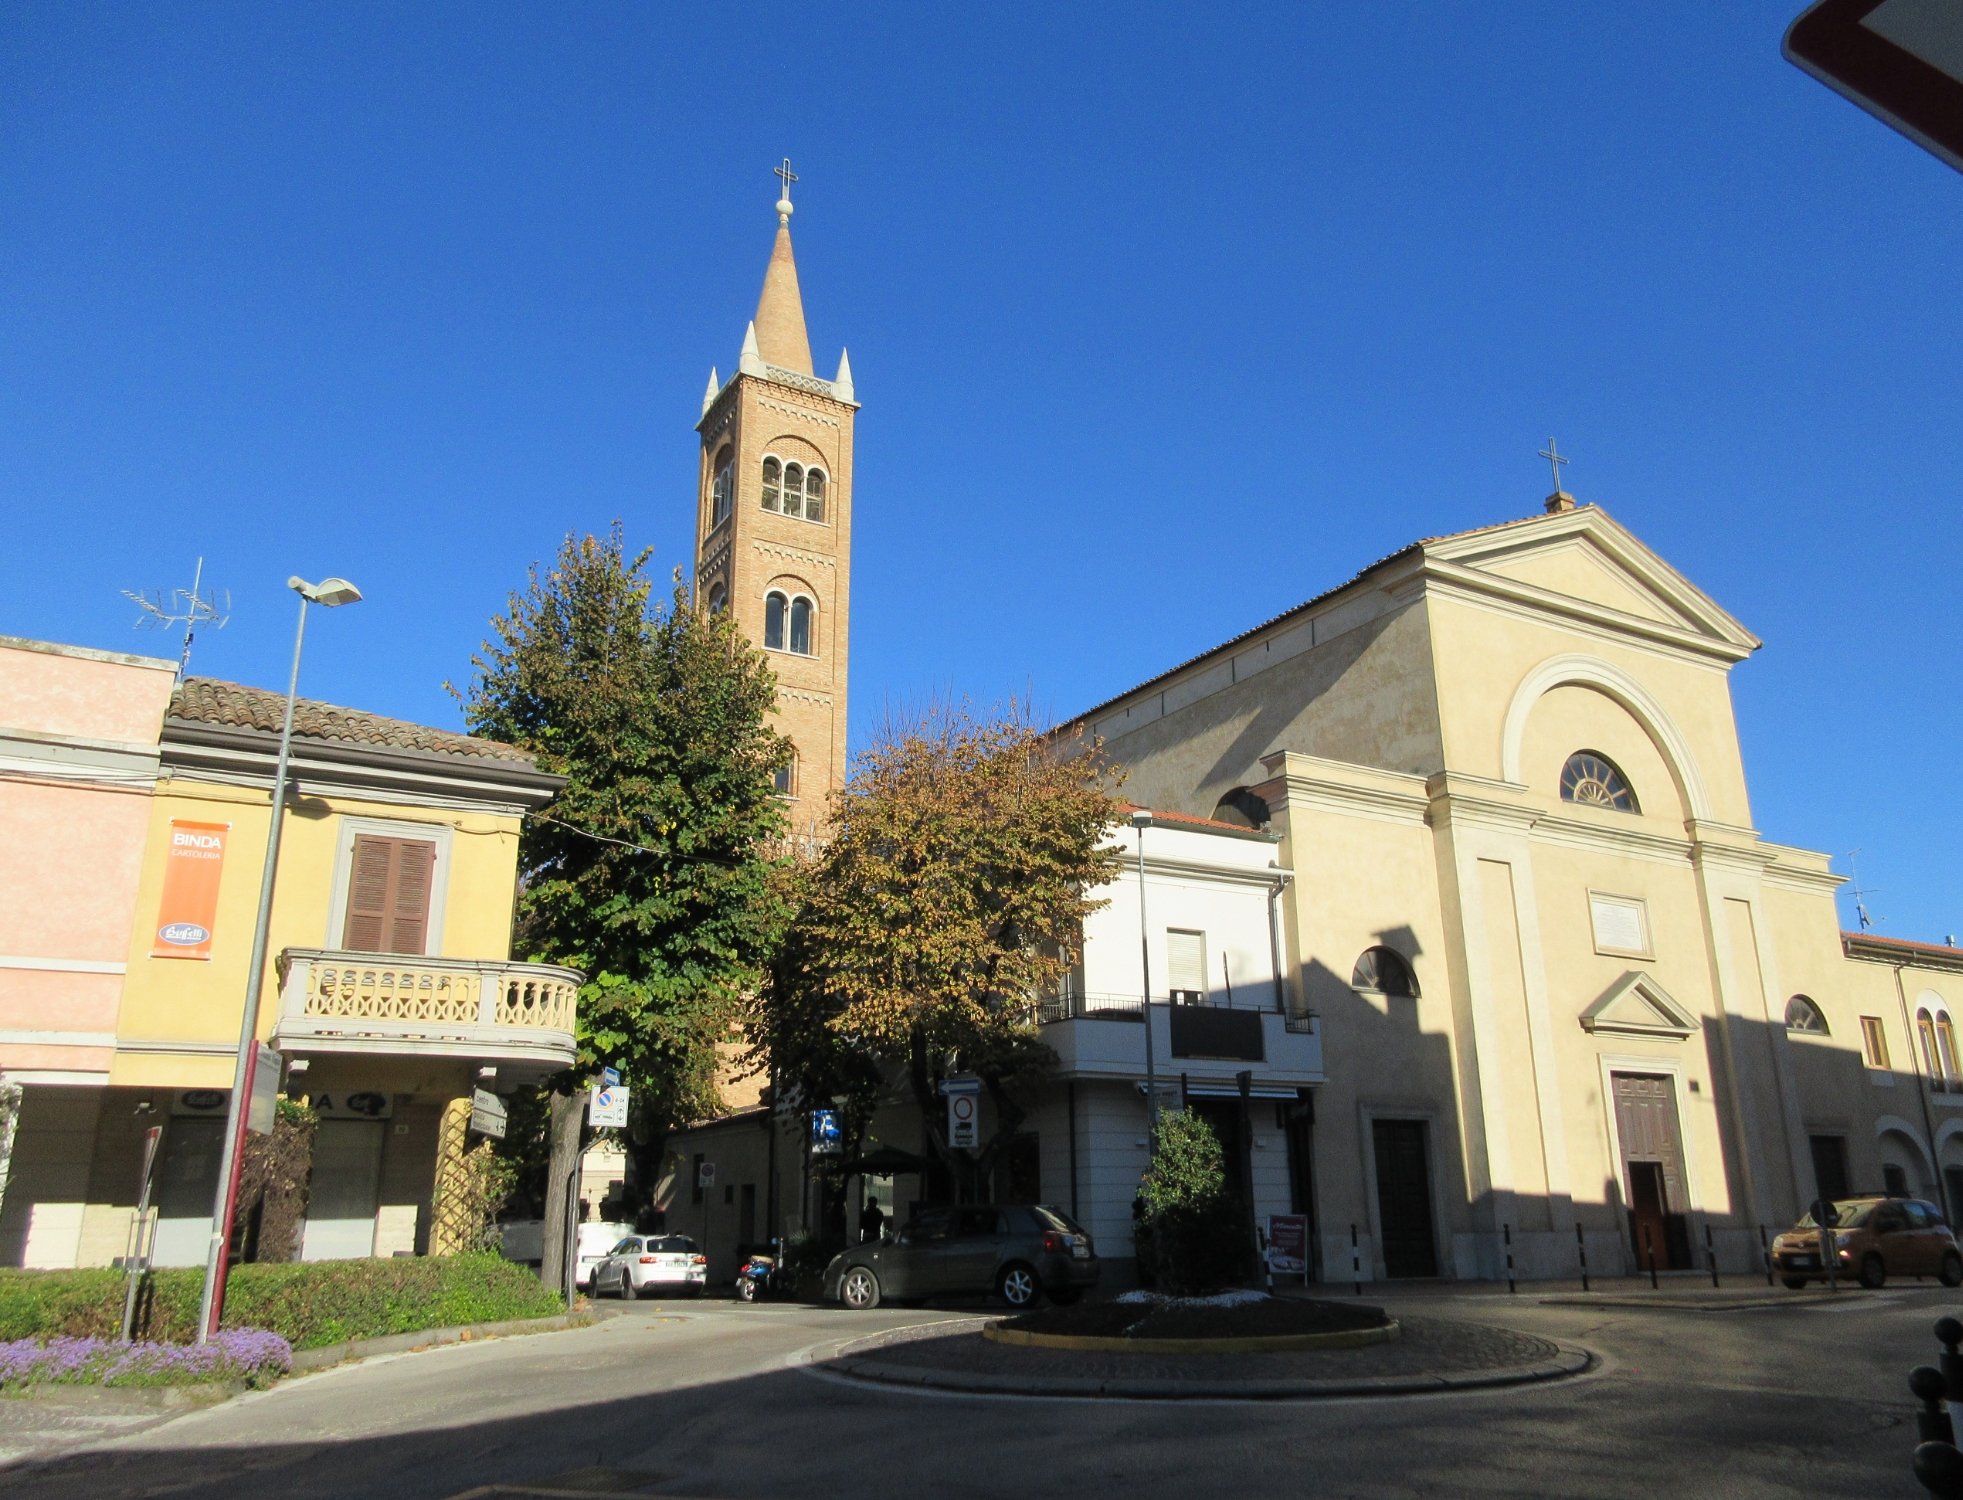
(235, 1355)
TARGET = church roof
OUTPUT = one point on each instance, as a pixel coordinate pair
(781, 338)
(1299, 609)
(1696, 609)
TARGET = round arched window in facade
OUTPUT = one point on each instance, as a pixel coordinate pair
(1803, 1015)
(1384, 971)
(1593, 780)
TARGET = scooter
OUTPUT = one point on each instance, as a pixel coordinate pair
(758, 1276)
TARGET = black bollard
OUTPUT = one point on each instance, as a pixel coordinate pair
(1949, 1333)
(1581, 1254)
(1356, 1263)
(1649, 1254)
(1506, 1231)
(1939, 1470)
(1765, 1254)
(1711, 1255)
(1932, 1425)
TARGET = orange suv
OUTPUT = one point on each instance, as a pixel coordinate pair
(1874, 1239)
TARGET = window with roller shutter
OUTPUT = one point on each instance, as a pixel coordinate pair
(1186, 966)
(388, 895)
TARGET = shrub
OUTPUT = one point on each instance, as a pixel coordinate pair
(310, 1303)
(237, 1356)
(1191, 1225)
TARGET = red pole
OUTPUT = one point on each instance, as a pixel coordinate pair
(231, 1206)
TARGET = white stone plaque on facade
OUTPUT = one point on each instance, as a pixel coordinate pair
(1621, 925)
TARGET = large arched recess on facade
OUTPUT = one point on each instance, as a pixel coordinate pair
(1589, 671)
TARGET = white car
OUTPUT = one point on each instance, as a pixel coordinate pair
(595, 1244)
(646, 1265)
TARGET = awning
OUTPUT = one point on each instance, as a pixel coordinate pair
(885, 1162)
(1230, 1091)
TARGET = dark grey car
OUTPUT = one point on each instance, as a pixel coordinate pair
(1018, 1250)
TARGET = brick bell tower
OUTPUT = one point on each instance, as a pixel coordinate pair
(773, 521)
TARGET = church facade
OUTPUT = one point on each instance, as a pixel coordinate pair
(1566, 1001)
(1571, 1001)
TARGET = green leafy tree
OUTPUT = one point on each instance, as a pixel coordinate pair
(951, 894)
(652, 870)
(1190, 1224)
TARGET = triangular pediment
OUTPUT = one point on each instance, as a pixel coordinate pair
(1636, 1005)
(1582, 562)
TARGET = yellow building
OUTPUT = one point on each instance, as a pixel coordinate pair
(390, 996)
(1568, 995)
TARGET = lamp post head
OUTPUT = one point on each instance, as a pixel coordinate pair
(1141, 817)
(329, 591)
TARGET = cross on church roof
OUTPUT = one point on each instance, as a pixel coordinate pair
(1554, 461)
(787, 177)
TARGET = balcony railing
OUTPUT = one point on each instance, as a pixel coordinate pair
(368, 1002)
(1076, 1007)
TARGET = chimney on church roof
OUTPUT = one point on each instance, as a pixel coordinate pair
(780, 310)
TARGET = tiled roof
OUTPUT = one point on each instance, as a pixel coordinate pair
(1287, 614)
(1161, 815)
(1902, 945)
(206, 700)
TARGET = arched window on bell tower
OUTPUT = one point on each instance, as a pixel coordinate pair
(722, 487)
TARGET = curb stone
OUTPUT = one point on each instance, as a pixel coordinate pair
(306, 1361)
(1573, 1360)
(171, 1398)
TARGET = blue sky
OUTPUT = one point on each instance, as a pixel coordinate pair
(1164, 320)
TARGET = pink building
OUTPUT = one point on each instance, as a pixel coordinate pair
(79, 733)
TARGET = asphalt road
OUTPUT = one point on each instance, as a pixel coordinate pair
(718, 1399)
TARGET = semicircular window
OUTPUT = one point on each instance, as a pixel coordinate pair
(1242, 808)
(1803, 1015)
(1385, 971)
(1593, 780)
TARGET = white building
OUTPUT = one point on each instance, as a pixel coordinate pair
(1221, 1007)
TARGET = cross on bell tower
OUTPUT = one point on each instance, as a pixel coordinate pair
(787, 177)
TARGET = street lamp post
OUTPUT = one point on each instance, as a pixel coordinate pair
(330, 592)
(1141, 819)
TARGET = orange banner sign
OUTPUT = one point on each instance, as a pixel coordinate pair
(190, 906)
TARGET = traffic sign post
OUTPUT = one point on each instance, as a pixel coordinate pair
(607, 1105)
(827, 1139)
(962, 1131)
(1900, 60)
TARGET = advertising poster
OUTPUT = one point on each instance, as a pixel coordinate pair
(192, 864)
(1288, 1244)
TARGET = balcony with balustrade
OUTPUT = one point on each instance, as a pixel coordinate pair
(516, 1017)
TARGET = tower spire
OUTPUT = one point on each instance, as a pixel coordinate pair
(780, 310)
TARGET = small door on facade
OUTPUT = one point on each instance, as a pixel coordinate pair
(187, 1181)
(1830, 1165)
(345, 1190)
(1404, 1198)
(1652, 1169)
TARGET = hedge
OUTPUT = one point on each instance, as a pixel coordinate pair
(310, 1304)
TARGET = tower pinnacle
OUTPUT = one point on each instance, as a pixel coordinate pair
(780, 310)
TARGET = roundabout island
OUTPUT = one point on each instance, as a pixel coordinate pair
(1231, 1346)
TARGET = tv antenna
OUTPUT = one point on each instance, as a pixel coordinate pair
(164, 609)
(1860, 893)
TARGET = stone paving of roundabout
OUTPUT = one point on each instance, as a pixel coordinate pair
(1430, 1354)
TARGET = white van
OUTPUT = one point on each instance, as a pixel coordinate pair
(522, 1240)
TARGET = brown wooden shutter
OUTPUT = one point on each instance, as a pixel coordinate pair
(388, 895)
(409, 913)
